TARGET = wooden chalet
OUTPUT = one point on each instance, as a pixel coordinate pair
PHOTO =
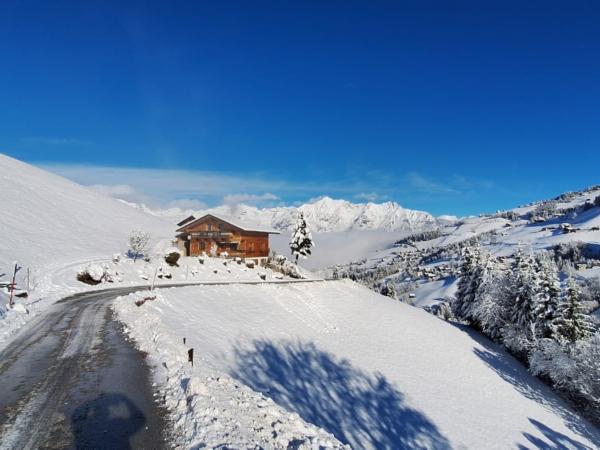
(214, 235)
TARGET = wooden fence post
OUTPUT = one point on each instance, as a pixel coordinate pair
(13, 285)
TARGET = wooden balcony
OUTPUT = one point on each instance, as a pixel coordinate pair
(216, 235)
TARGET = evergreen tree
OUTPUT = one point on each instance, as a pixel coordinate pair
(490, 309)
(519, 333)
(548, 295)
(571, 324)
(389, 290)
(464, 297)
(473, 271)
(301, 242)
(525, 290)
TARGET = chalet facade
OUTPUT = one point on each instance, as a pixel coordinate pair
(215, 235)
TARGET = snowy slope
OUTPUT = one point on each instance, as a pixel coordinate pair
(496, 233)
(47, 221)
(323, 215)
(373, 372)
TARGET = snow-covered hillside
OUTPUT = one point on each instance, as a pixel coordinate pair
(47, 220)
(414, 264)
(323, 215)
(375, 373)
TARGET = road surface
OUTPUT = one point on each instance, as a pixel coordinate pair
(70, 379)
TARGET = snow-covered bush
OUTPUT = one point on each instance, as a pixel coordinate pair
(442, 310)
(92, 274)
(172, 256)
(138, 244)
(281, 264)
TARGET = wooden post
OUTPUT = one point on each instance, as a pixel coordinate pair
(154, 279)
(191, 356)
(13, 285)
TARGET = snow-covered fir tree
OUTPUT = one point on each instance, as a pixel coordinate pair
(467, 284)
(519, 334)
(570, 323)
(548, 295)
(138, 244)
(301, 242)
(525, 286)
(389, 290)
(491, 305)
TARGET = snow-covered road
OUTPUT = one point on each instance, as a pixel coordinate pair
(70, 379)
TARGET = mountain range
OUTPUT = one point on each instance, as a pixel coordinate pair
(323, 215)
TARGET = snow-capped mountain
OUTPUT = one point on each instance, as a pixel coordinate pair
(323, 215)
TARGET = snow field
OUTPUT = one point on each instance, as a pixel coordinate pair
(373, 372)
(209, 408)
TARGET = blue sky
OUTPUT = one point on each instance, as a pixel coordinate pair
(450, 107)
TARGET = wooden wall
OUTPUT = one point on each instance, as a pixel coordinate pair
(249, 244)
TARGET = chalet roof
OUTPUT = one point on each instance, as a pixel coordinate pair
(242, 225)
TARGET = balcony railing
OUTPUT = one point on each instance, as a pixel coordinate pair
(211, 234)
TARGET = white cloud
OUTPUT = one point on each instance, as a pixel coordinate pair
(187, 203)
(189, 189)
(117, 190)
(249, 199)
(368, 196)
(428, 186)
(158, 187)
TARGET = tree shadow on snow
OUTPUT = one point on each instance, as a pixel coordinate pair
(108, 421)
(359, 409)
(554, 440)
(514, 372)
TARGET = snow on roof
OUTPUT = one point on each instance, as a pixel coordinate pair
(242, 225)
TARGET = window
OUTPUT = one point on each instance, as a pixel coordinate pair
(202, 245)
(221, 227)
(210, 227)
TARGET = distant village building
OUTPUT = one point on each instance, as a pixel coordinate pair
(215, 235)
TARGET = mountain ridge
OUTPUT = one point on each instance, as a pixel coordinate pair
(323, 215)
